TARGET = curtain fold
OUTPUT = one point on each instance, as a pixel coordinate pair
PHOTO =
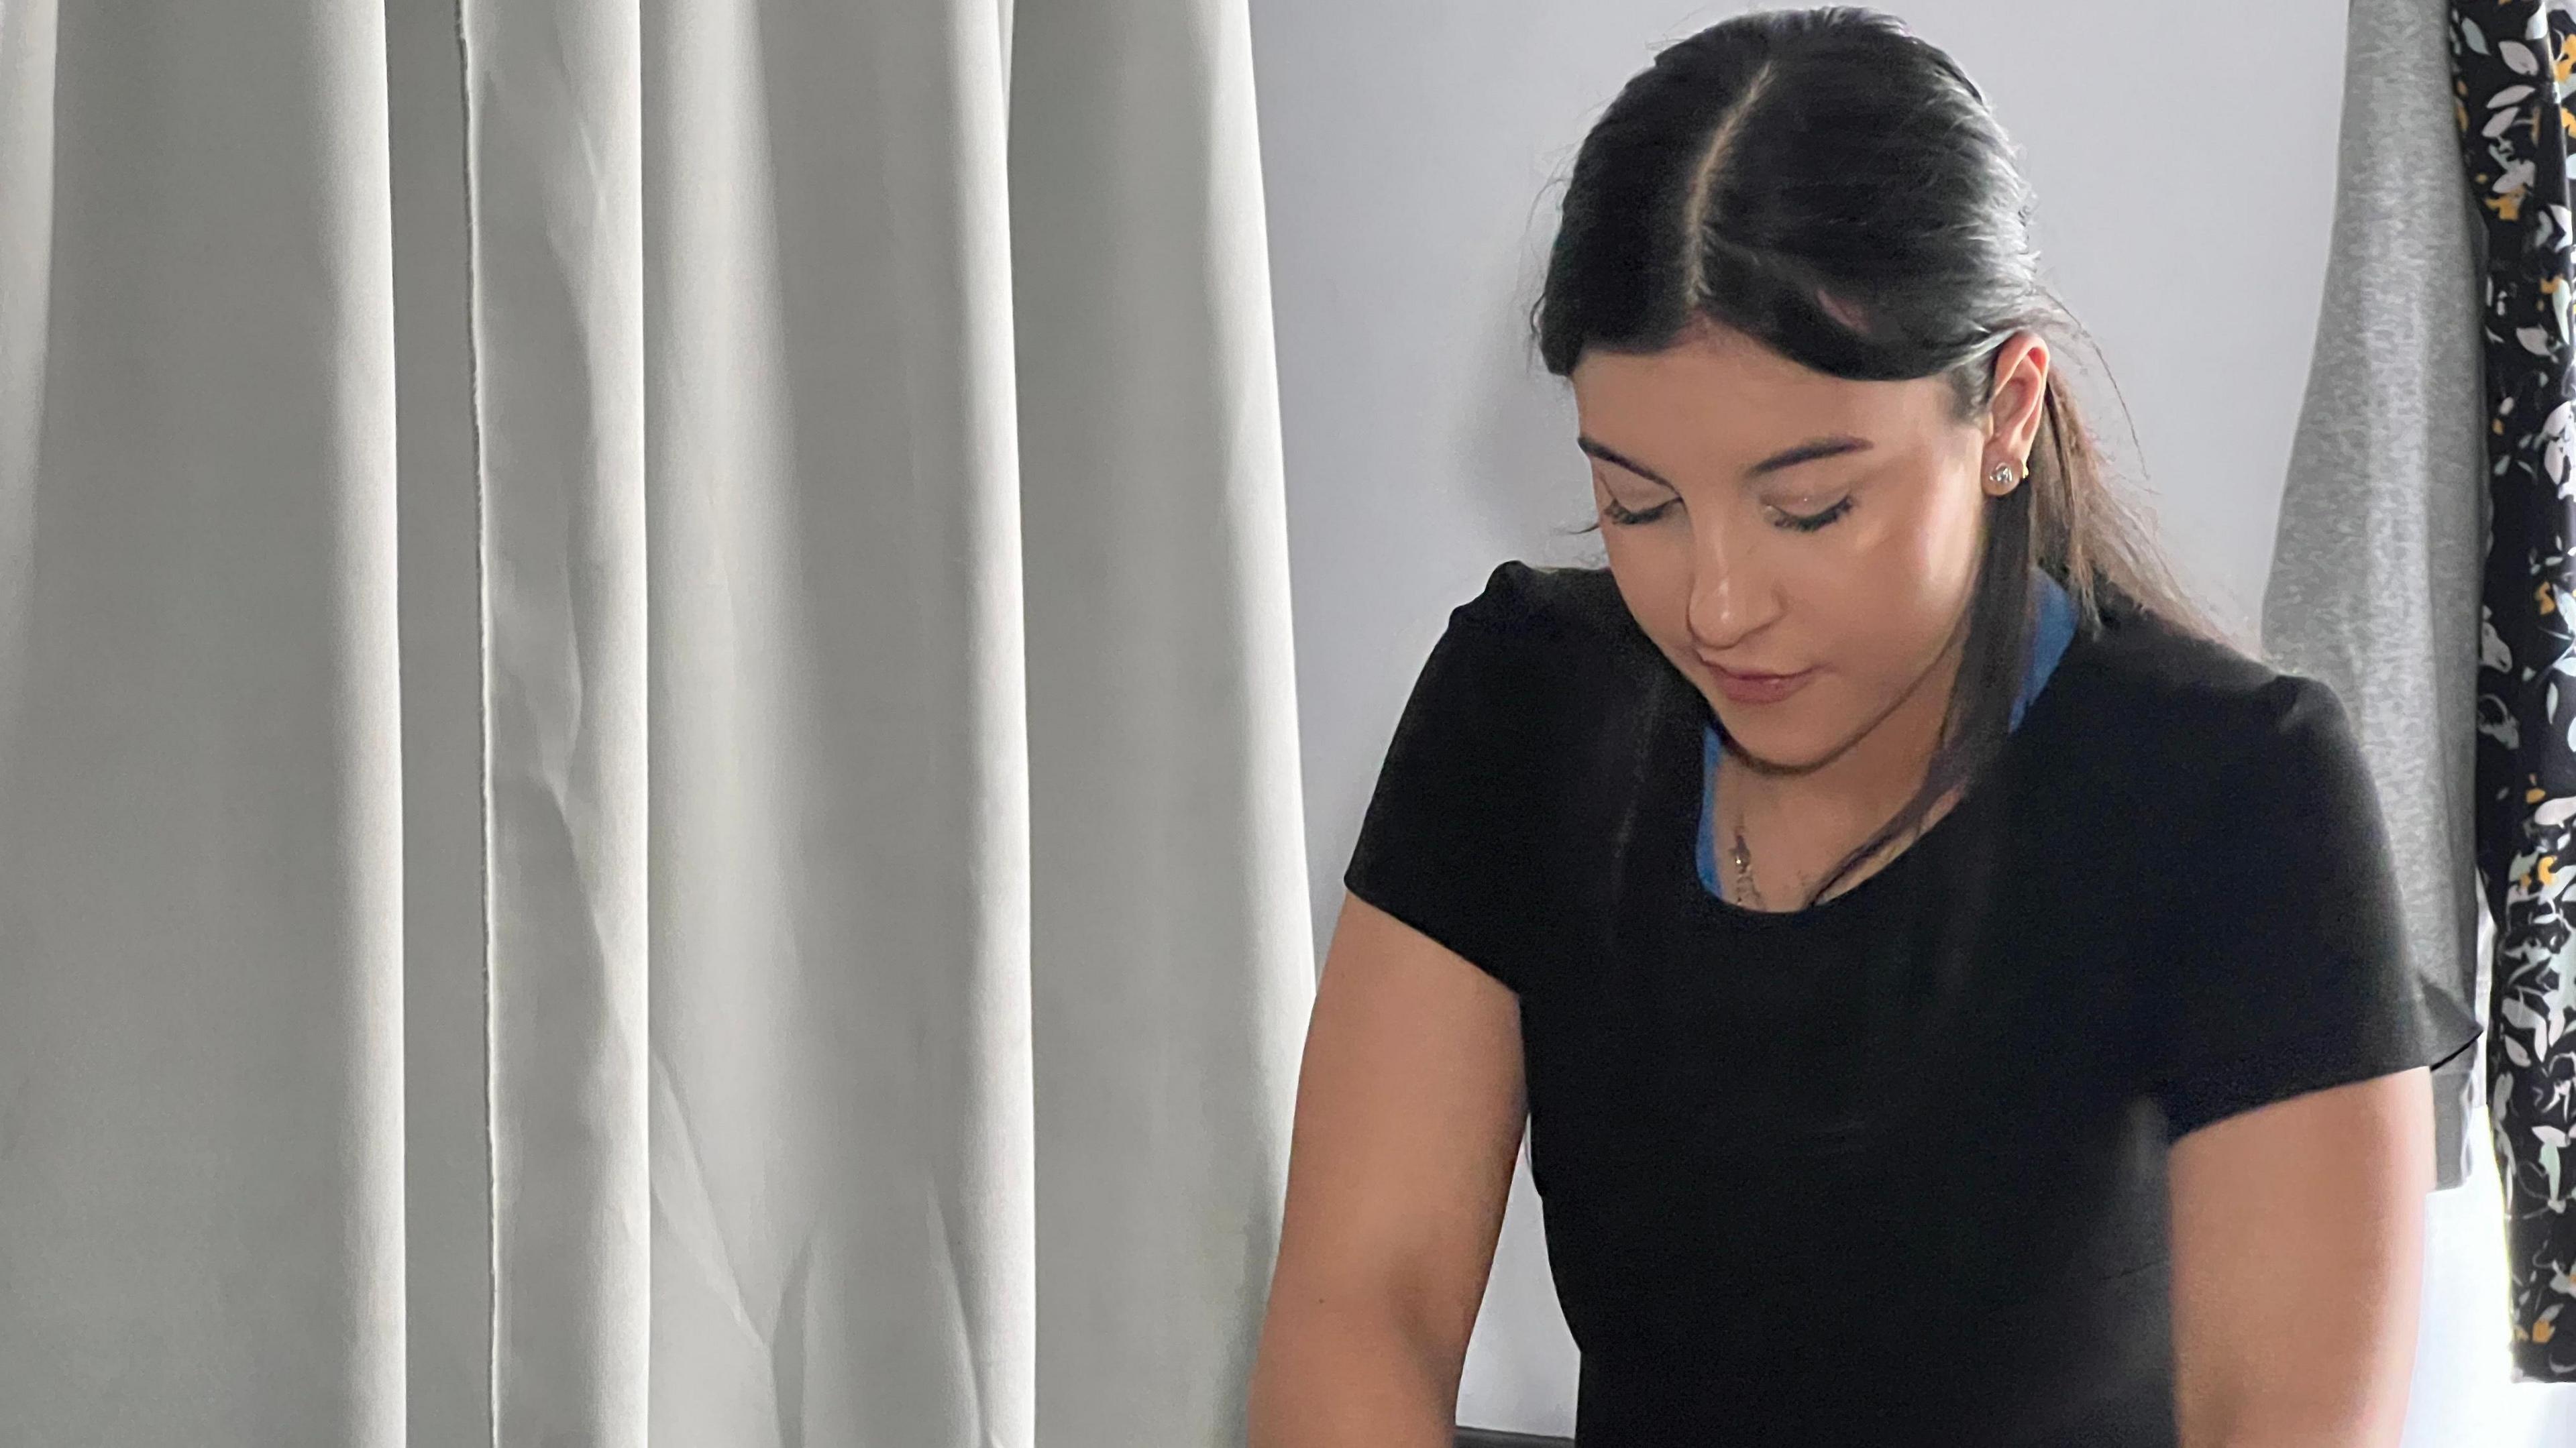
(555, 181)
(1164, 757)
(201, 849)
(647, 760)
(447, 1182)
(842, 1114)
(2513, 60)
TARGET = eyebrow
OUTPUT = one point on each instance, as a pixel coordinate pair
(1805, 452)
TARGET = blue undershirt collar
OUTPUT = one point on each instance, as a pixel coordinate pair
(2053, 631)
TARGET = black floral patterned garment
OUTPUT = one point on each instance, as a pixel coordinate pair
(2512, 63)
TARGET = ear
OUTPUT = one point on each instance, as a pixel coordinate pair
(2017, 409)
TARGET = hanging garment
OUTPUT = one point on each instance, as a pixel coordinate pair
(2513, 62)
(2375, 572)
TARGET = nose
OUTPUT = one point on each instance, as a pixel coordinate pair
(1733, 595)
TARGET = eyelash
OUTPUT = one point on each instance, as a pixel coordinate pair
(1795, 523)
(1813, 521)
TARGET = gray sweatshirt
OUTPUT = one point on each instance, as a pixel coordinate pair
(2376, 573)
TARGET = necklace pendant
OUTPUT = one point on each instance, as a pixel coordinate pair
(1745, 889)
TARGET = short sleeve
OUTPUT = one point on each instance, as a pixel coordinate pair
(2285, 971)
(1452, 838)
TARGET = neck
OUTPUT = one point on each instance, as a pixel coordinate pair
(1844, 800)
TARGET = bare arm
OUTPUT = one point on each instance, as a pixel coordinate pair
(2298, 1256)
(1409, 1112)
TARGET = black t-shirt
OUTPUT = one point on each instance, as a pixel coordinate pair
(1890, 1169)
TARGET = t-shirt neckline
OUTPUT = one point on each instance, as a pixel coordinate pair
(2053, 644)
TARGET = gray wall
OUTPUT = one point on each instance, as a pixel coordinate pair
(2184, 156)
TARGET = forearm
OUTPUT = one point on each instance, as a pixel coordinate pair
(2298, 1267)
(1341, 1377)
(2286, 1425)
(2346, 1436)
(2362, 1406)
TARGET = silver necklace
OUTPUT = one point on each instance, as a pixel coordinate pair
(1745, 889)
(1741, 856)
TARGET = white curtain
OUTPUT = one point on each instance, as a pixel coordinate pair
(648, 789)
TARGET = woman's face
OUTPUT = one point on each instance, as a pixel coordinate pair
(1801, 546)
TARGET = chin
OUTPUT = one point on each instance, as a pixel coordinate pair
(1786, 761)
(1774, 740)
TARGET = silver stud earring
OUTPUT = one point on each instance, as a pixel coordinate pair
(2002, 476)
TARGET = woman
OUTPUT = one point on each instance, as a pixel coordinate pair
(1955, 1001)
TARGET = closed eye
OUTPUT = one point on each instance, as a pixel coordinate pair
(1626, 518)
(1810, 522)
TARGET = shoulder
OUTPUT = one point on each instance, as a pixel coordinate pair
(1541, 690)
(1505, 766)
(1543, 604)
(2172, 693)
(1557, 638)
(2186, 736)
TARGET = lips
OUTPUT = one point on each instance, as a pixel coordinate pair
(1757, 688)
